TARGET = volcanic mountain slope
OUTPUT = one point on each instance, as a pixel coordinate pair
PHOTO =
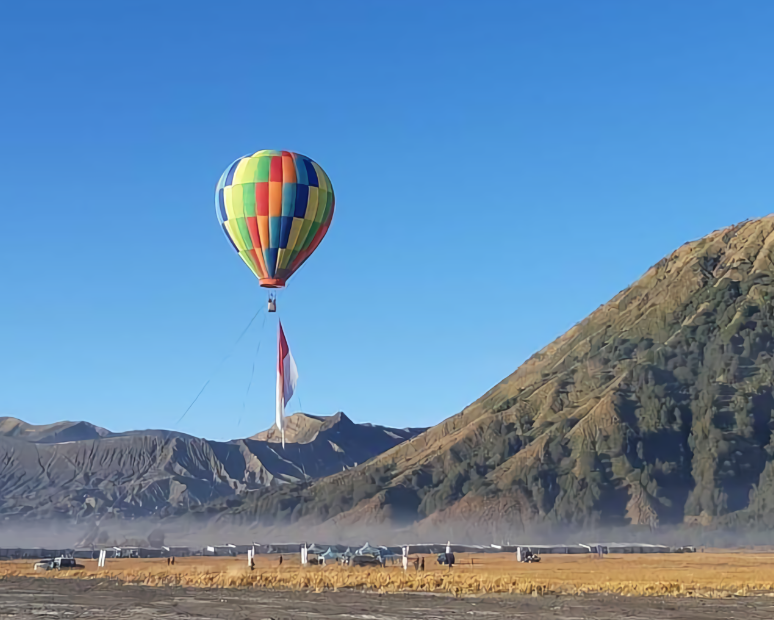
(77, 469)
(655, 409)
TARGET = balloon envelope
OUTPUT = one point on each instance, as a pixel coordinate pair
(275, 207)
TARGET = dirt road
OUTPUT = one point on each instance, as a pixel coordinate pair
(25, 598)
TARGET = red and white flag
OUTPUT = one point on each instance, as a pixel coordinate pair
(287, 376)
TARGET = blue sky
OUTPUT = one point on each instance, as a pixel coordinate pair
(501, 169)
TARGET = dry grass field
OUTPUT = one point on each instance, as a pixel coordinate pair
(714, 574)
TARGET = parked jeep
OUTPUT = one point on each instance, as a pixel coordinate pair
(58, 564)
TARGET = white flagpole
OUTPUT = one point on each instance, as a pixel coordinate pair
(287, 376)
(280, 412)
(280, 420)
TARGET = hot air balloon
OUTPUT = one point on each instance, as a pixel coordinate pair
(275, 207)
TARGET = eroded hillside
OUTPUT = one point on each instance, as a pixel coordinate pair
(75, 469)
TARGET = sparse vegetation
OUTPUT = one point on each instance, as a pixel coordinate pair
(705, 575)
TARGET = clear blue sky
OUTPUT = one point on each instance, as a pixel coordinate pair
(501, 169)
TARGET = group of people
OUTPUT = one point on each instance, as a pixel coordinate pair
(171, 561)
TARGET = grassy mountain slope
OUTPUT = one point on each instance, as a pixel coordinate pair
(655, 409)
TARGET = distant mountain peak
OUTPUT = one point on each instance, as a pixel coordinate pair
(50, 433)
(303, 427)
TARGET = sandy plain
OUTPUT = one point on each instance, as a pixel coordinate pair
(24, 598)
(713, 575)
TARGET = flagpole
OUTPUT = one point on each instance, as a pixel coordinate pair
(287, 375)
(280, 407)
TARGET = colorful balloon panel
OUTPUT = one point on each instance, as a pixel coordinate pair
(275, 207)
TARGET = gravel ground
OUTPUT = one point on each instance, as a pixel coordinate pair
(27, 598)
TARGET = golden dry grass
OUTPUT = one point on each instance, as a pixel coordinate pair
(700, 574)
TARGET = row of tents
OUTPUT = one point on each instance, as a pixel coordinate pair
(36, 553)
(340, 553)
(542, 549)
(336, 552)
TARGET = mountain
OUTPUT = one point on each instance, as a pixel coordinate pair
(341, 430)
(656, 409)
(50, 433)
(75, 469)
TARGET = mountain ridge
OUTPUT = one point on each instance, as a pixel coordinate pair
(76, 469)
